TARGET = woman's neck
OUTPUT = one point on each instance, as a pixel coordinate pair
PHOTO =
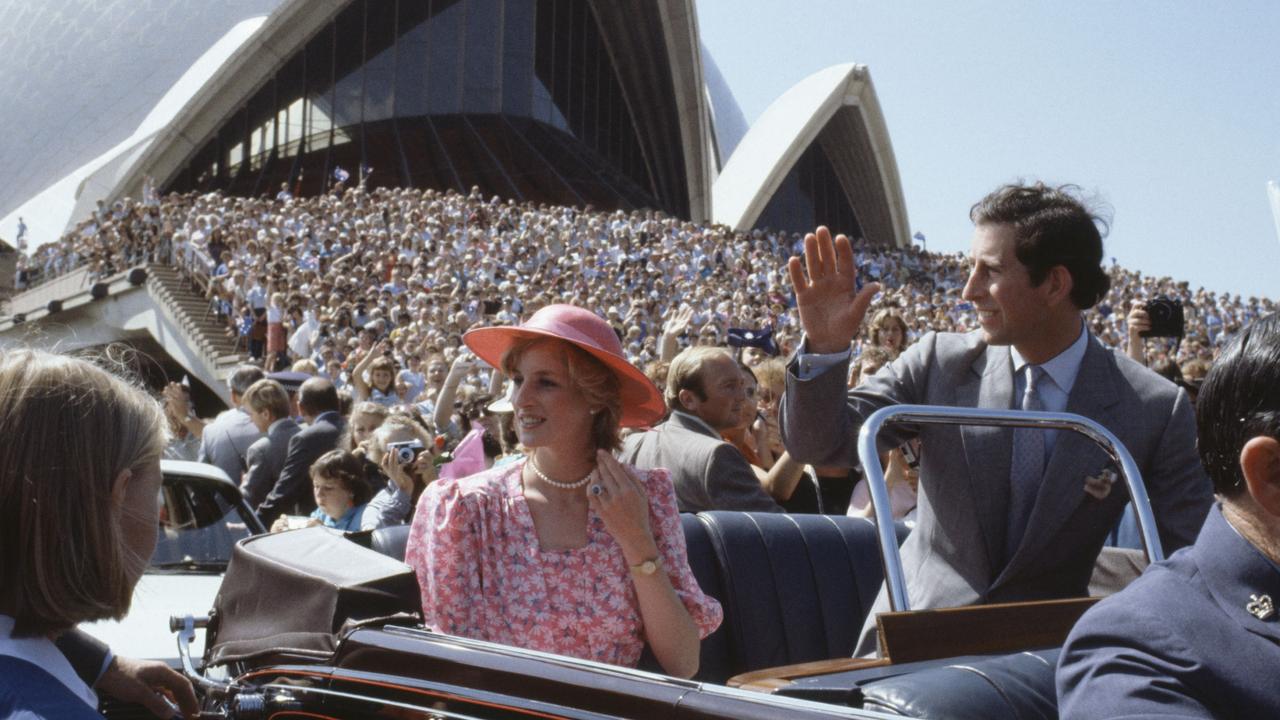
(565, 466)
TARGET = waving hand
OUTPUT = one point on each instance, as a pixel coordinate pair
(831, 307)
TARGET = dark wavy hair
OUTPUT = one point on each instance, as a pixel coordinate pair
(1239, 400)
(1053, 226)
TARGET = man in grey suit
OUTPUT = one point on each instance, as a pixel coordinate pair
(705, 394)
(1003, 515)
(225, 441)
(318, 401)
(267, 404)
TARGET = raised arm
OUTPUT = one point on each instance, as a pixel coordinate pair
(831, 307)
(449, 390)
(623, 505)
(357, 375)
(668, 344)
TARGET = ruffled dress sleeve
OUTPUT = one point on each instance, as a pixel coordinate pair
(444, 550)
(669, 535)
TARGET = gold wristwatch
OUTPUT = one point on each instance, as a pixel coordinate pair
(648, 567)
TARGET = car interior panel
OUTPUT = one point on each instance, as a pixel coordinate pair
(795, 590)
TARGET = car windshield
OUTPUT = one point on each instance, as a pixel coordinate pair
(200, 522)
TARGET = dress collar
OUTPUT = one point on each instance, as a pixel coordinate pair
(41, 652)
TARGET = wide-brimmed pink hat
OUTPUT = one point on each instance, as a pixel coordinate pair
(642, 403)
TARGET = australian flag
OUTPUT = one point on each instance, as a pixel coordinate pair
(341, 175)
(763, 339)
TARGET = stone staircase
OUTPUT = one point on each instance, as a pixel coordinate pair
(189, 310)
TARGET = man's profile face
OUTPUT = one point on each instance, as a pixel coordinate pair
(1010, 311)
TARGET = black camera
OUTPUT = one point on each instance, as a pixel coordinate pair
(1166, 318)
(405, 452)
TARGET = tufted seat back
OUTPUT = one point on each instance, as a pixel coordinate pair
(794, 588)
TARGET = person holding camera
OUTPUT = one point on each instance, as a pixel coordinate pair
(1004, 515)
(401, 449)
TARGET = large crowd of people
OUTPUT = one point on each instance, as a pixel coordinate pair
(325, 279)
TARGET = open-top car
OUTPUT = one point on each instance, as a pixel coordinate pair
(314, 623)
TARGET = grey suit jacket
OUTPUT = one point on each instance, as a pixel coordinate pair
(708, 473)
(225, 442)
(955, 556)
(266, 459)
(292, 491)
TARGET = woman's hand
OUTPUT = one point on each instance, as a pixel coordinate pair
(619, 498)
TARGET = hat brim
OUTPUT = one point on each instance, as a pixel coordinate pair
(642, 403)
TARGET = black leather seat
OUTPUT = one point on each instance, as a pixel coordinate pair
(794, 588)
(390, 541)
(1018, 687)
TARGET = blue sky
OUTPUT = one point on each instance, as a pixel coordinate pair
(1169, 112)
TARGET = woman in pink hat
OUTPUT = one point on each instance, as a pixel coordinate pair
(567, 551)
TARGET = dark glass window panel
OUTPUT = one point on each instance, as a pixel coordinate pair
(318, 111)
(235, 144)
(290, 89)
(809, 196)
(444, 46)
(411, 59)
(518, 58)
(348, 57)
(382, 159)
(532, 175)
(543, 62)
(428, 164)
(482, 48)
(380, 60)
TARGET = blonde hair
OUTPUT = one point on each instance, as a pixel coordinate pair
(772, 374)
(593, 379)
(70, 428)
(393, 423)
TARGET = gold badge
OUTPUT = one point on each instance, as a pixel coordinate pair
(1261, 607)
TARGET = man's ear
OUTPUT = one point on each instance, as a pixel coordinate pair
(686, 398)
(1260, 463)
(120, 489)
(1058, 284)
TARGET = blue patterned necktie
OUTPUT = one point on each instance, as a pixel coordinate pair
(1027, 468)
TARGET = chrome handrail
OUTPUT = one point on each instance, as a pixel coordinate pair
(939, 415)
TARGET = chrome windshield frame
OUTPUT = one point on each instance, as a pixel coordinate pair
(869, 455)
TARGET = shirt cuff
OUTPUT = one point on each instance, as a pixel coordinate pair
(811, 365)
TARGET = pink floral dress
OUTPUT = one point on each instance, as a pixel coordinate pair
(483, 574)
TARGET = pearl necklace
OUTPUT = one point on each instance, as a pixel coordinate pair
(533, 465)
